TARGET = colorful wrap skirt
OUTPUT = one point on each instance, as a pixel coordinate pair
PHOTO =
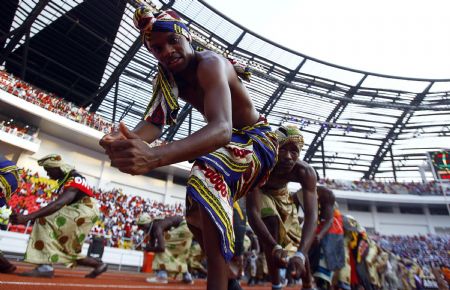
(175, 256)
(59, 237)
(227, 174)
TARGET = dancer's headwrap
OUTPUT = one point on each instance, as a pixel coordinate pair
(290, 134)
(147, 19)
(163, 107)
(55, 161)
(9, 178)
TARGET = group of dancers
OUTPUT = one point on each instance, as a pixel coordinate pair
(236, 155)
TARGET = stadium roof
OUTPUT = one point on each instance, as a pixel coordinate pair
(356, 124)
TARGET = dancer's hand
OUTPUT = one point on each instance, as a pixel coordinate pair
(280, 258)
(132, 155)
(296, 267)
(17, 218)
(108, 139)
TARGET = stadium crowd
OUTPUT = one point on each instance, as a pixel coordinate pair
(415, 188)
(51, 102)
(18, 129)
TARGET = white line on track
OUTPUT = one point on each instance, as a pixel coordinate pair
(61, 285)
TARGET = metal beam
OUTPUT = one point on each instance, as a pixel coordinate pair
(116, 92)
(233, 46)
(172, 130)
(268, 106)
(323, 161)
(319, 137)
(394, 171)
(393, 134)
(101, 93)
(25, 54)
(22, 29)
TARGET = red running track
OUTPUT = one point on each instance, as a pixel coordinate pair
(73, 279)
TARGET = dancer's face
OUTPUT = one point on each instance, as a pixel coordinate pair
(172, 50)
(287, 157)
(54, 173)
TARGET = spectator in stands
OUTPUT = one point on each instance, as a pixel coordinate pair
(273, 213)
(327, 252)
(233, 152)
(9, 181)
(171, 240)
(62, 225)
(52, 103)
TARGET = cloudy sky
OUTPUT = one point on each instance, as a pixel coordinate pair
(395, 37)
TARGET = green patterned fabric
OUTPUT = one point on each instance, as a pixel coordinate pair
(279, 203)
(178, 243)
(59, 237)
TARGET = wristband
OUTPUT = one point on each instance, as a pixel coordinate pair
(301, 256)
(277, 247)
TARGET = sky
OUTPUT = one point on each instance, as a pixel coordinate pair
(408, 38)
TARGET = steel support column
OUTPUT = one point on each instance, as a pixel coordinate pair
(393, 134)
(332, 118)
(268, 106)
(22, 29)
(172, 130)
(101, 93)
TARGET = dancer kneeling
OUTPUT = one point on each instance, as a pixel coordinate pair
(273, 213)
(61, 227)
(171, 241)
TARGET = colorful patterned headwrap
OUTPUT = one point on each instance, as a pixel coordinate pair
(290, 133)
(55, 161)
(147, 19)
(9, 178)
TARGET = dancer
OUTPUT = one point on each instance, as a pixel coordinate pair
(279, 230)
(327, 252)
(61, 227)
(9, 181)
(171, 240)
(233, 152)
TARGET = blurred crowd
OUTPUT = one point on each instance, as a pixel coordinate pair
(51, 102)
(415, 188)
(377, 263)
(426, 250)
(17, 128)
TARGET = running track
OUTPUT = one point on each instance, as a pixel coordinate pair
(68, 279)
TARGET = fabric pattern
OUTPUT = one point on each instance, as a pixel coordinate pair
(59, 237)
(175, 256)
(280, 204)
(196, 257)
(220, 178)
(9, 179)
